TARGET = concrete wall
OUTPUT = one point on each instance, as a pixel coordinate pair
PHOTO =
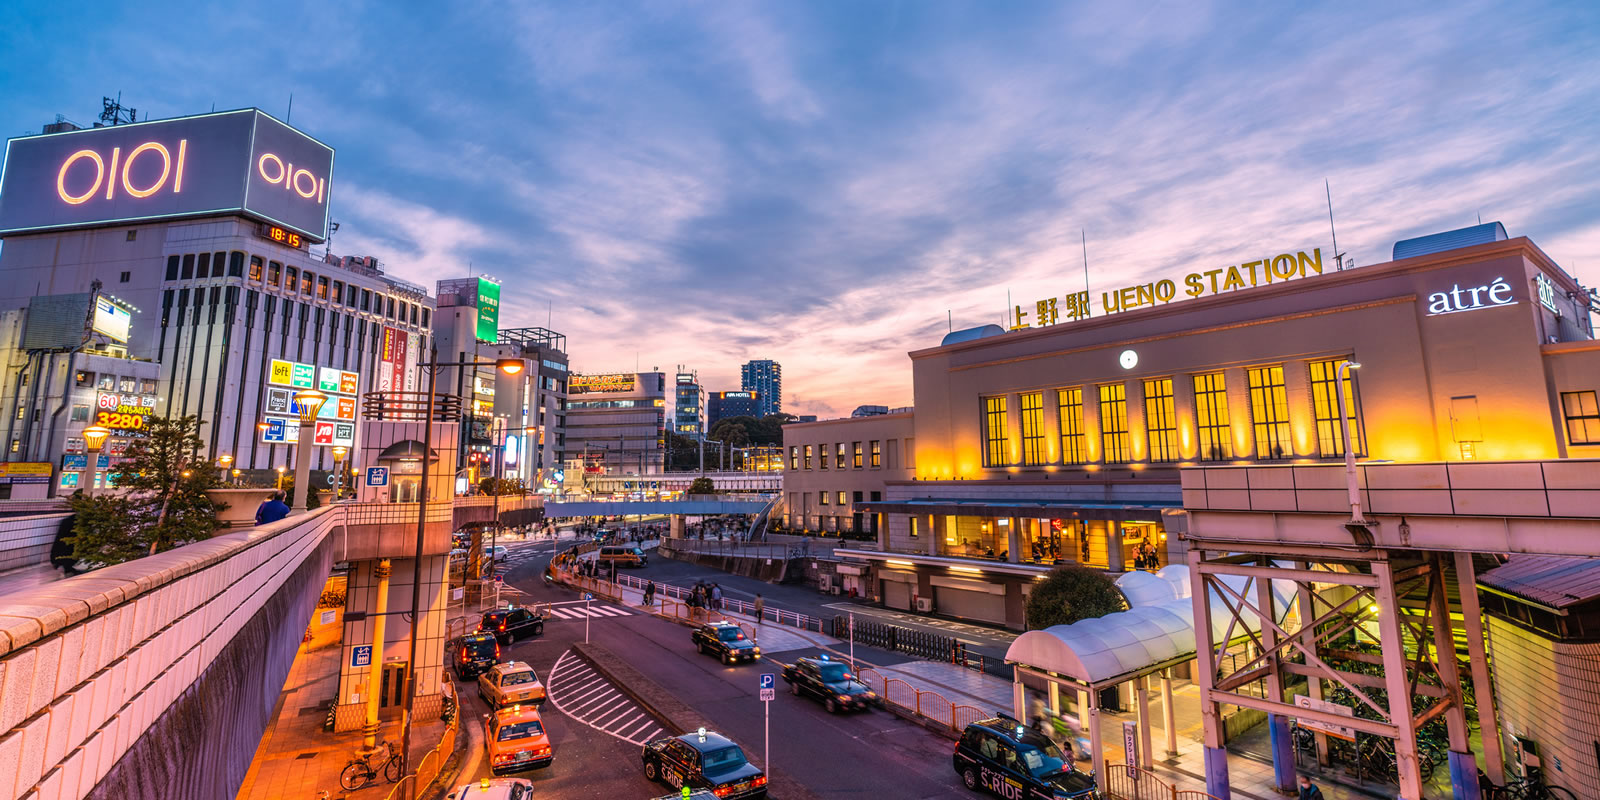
(25, 541)
(156, 677)
(1545, 691)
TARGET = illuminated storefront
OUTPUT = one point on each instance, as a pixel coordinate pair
(1062, 443)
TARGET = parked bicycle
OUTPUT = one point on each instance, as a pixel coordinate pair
(1528, 787)
(360, 771)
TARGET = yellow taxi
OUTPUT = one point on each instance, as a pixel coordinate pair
(511, 683)
(497, 789)
(517, 741)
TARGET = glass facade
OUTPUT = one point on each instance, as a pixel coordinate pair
(1033, 449)
(994, 431)
(1073, 450)
(1114, 447)
(1582, 417)
(1325, 404)
(1160, 420)
(1269, 413)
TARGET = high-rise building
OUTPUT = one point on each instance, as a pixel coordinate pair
(722, 405)
(616, 422)
(765, 378)
(688, 411)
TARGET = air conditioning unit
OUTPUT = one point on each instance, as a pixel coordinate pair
(925, 605)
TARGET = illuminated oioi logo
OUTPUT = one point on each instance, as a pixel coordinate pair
(170, 168)
(274, 171)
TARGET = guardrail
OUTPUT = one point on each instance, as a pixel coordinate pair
(1128, 782)
(778, 616)
(929, 705)
(415, 784)
(894, 638)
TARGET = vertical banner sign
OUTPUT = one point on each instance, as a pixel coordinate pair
(394, 357)
(488, 310)
(1130, 746)
(408, 358)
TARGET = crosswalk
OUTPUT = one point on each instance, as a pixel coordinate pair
(578, 691)
(592, 611)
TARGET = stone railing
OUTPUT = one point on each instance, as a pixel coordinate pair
(155, 678)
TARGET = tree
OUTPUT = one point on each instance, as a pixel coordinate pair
(733, 431)
(313, 498)
(1069, 594)
(508, 486)
(161, 503)
(702, 486)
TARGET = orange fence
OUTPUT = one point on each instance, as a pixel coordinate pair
(1126, 782)
(927, 704)
(433, 761)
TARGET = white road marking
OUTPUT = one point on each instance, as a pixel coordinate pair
(599, 707)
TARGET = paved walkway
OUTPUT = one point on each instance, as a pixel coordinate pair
(295, 757)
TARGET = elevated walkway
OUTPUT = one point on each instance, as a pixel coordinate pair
(621, 508)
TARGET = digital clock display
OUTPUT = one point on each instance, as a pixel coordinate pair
(282, 236)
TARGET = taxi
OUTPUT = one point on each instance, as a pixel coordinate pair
(472, 655)
(726, 641)
(1005, 759)
(511, 683)
(493, 789)
(830, 682)
(516, 740)
(703, 760)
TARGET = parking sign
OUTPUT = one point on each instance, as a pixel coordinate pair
(767, 680)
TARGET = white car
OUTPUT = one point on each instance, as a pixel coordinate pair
(494, 789)
(496, 553)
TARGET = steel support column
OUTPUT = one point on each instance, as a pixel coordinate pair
(1482, 687)
(1216, 758)
(1399, 688)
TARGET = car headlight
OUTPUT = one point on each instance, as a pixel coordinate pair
(844, 698)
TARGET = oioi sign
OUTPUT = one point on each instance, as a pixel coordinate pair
(232, 162)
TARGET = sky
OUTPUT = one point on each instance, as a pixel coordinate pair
(834, 184)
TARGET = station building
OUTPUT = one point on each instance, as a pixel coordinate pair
(168, 267)
(1063, 444)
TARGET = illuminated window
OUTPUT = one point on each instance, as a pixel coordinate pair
(855, 457)
(291, 279)
(274, 273)
(1211, 414)
(913, 520)
(255, 268)
(994, 431)
(1269, 413)
(1325, 402)
(322, 287)
(824, 496)
(1114, 447)
(1071, 417)
(1583, 417)
(338, 291)
(1160, 420)
(841, 499)
(838, 460)
(794, 457)
(1033, 451)
(877, 454)
(808, 456)
(822, 456)
(306, 282)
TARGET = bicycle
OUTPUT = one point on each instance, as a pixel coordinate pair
(359, 772)
(1528, 787)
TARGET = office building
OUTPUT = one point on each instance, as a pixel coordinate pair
(765, 378)
(689, 405)
(616, 422)
(206, 301)
(722, 405)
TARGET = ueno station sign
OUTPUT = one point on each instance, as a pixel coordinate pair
(234, 162)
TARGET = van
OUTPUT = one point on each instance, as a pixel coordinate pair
(624, 555)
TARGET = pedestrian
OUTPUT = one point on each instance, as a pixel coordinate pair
(761, 607)
(1308, 790)
(649, 593)
(272, 509)
(716, 596)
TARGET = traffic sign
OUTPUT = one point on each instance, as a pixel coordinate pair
(377, 476)
(768, 694)
(361, 655)
(498, 578)
(588, 596)
(767, 680)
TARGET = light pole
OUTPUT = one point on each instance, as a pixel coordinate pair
(310, 402)
(280, 477)
(431, 413)
(227, 461)
(338, 470)
(94, 438)
(1349, 452)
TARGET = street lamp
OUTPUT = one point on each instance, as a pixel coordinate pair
(227, 461)
(280, 477)
(338, 470)
(1349, 452)
(94, 438)
(310, 402)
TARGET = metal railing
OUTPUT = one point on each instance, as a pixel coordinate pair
(929, 705)
(1128, 782)
(732, 548)
(894, 638)
(779, 616)
(414, 784)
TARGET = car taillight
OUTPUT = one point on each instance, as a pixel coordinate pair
(723, 791)
(464, 657)
(761, 780)
(497, 650)
(502, 626)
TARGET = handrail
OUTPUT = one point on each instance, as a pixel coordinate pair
(439, 753)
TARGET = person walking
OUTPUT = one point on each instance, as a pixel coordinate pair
(649, 594)
(272, 509)
(1308, 790)
(761, 607)
(716, 596)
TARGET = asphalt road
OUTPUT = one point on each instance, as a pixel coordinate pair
(871, 754)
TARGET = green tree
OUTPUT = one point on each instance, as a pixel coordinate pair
(702, 486)
(508, 486)
(733, 431)
(161, 499)
(1069, 594)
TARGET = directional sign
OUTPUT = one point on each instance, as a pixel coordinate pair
(361, 655)
(767, 680)
(377, 476)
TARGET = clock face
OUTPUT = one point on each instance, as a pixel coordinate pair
(1128, 359)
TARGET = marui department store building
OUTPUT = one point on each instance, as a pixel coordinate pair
(1063, 444)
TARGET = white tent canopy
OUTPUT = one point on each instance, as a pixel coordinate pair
(1155, 631)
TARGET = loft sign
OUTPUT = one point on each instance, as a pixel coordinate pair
(1492, 295)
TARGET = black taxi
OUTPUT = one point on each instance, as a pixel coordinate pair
(726, 641)
(1003, 758)
(511, 623)
(830, 682)
(472, 655)
(703, 760)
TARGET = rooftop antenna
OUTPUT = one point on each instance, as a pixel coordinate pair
(1338, 256)
(1083, 237)
(549, 314)
(113, 112)
(1480, 217)
(290, 115)
(949, 321)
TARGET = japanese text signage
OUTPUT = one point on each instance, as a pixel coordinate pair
(242, 162)
(26, 472)
(601, 383)
(1269, 269)
(123, 414)
(292, 373)
(488, 310)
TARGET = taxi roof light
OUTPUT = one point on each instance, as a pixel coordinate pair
(702, 733)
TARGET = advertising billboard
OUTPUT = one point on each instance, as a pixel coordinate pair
(394, 361)
(336, 420)
(488, 310)
(231, 162)
(601, 383)
(111, 320)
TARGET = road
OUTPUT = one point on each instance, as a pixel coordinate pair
(873, 754)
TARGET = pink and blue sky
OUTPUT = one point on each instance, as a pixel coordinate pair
(820, 182)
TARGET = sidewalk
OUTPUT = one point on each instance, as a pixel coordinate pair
(295, 757)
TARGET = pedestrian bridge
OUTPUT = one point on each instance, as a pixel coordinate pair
(157, 677)
(630, 508)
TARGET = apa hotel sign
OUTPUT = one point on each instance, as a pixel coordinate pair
(233, 162)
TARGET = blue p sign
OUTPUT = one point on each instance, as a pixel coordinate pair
(767, 681)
